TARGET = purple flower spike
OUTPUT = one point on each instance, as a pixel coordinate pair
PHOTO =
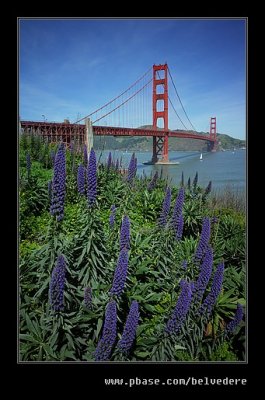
(105, 345)
(165, 208)
(152, 183)
(180, 225)
(237, 319)
(92, 179)
(135, 167)
(182, 179)
(195, 180)
(210, 300)
(178, 204)
(208, 189)
(132, 169)
(182, 307)
(204, 239)
(204, 276)
(81, 179)
(125, 233)
(129, 332)
(120, 273)
(56, 290)
(177, 220)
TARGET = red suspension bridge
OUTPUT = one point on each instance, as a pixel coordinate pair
(128, 115)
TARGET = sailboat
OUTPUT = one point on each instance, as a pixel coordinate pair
(201, 157)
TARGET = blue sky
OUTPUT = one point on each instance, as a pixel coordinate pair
(68, 68)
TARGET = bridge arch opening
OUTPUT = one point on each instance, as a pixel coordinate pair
(160, 74)
(160, 123)
(160, 89)
(160, 105)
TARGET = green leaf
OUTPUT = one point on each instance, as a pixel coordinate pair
(27, 338)
(99, 326)
(225, 296)
(148, 341)
(37, 328)
(140, 329)
(49, 351)
(88, 246)
(53, 339)
(138, 297)
(149, 307)
(80, 259)
(141, 270)
(43, 287)
(29, 324)
(69, 354)
(70, 340)
(241, 301)
(154, 296)
(142, 354)
(178, 347)
(94, 259)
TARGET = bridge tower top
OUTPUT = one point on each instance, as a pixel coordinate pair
(161, 94)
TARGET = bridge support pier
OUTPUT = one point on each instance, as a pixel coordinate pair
(160, 149)
(212, 146)
(165, 149)
(89, 134)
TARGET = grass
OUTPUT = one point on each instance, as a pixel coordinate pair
(230, 197)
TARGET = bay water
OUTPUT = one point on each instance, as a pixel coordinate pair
(223, 168)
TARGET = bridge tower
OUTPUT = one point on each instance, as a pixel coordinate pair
(213, 134)
(160, 143)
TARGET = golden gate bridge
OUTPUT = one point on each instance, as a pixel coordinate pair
(128, 114)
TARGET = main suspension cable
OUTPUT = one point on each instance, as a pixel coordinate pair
(111, 101)
(129, 98)
(180, 99)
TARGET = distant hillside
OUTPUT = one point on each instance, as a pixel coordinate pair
(227, 142)
(145, 143)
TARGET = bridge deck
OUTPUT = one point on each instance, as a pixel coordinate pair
(54, 128)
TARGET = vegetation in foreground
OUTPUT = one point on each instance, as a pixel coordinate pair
(116, 268)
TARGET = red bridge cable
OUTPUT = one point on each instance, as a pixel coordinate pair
(111, 101)
(129, 98)
(177, 113)
(173, 106)
(180, 100)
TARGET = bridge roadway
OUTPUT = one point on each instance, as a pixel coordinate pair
(55, 128)
(113, 131)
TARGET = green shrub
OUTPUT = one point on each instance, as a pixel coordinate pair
(223, 353)
(155, 271)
